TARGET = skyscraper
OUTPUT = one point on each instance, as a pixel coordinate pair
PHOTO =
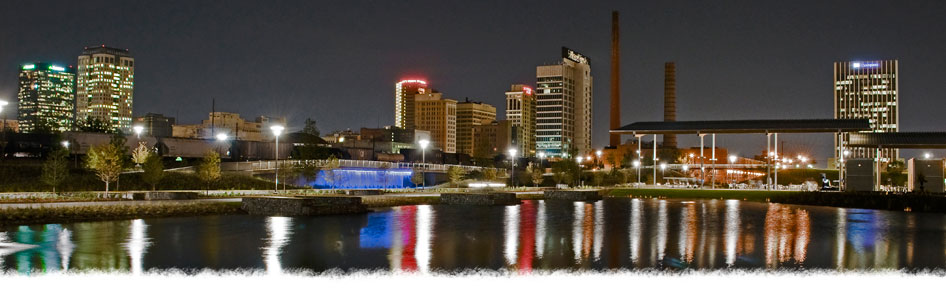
(105, 86)
(404, 92)
(563, 110)
(867, 89)
(46, 97)
(520, 111)
(470, 114)
(437, 115)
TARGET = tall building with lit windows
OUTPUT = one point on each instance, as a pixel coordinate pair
(105, 84)
(867, 89)
(404, 92)
(437, 115)
(563, 105)
(520, 112)
(46, 97)
(470, 114)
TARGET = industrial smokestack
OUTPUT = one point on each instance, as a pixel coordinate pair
(615, 139)
(670, 101)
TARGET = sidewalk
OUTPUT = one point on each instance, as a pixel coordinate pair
(115, 203)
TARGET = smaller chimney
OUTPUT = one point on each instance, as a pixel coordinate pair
(670, 101)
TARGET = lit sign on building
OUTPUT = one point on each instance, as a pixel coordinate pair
(574, 56)
(29, 66)
(865, 65)
(527, 90)
(56, 68)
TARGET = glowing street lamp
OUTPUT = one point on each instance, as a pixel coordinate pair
(277, 130)
(65, 144)
(927, 155)
(423, 156)
(663, 166)
(138, 129)
(222, 137)
(512, 173)
(2, 104)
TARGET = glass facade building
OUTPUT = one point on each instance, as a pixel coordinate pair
(563, 106)
(867, 89)
(46, 97)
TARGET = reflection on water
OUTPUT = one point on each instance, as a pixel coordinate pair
(278, 235)
(536, 235)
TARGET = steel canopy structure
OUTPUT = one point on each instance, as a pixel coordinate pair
(904, 140)
(763, 126)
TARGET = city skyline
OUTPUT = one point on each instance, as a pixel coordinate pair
(782, 62)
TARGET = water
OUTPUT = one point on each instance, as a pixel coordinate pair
(614, 233)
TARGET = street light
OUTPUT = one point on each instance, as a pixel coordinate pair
(2, 104)
(138, 129)
(222, 137)
(927, 155)
(277, 130)
(65, 144)
(512, 173)
(598, 159)
(663, 167)
(423, 156)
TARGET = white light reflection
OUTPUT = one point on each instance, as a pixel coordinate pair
(635, 231)
(599, 229)
(540, 230)
(684, 232)
(841, 238)
(278, 229)
(397, 242)
(65, 247)
(425, 223)
(512, 234)
(732, 230)
(661, 229)
(577, 230)
(136, 245)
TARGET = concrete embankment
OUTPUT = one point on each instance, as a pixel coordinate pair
(574, 195)
(488, 199)
(303, 205)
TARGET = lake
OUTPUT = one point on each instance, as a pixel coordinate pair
(615, 233)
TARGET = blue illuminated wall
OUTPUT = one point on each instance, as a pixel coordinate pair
(363, 178)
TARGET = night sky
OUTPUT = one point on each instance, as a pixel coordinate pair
(337, 61)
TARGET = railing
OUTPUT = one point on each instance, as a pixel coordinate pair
(270, 165)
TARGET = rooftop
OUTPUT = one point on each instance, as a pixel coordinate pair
(746, 126)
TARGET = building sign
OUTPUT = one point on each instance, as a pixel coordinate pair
(857, 65)
(574, 56)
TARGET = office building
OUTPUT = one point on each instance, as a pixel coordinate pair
(105, 85)
(46, 97)
(867, 89)
(231, 124)
(520, 112)
(563, 106)
(404, 92)
(492, 139)
(437, 115)
(156, 125)
(470, 114)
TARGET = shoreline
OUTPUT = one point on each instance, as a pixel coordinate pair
(14, 216)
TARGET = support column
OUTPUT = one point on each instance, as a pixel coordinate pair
(776, 162)
(877, 170)
(640, 158)
(702, 160)
(655, 160)
(768, 159)
(713, 152)
(842, 165)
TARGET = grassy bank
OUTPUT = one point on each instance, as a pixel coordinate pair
(46, 215)
(16, 177)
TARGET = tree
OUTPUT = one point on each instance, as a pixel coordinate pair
(140, 154)
(331, 164)
(309, 170)
(106, 161)
(417, 177)
(597, 178)
(91, 124)
(489, 174)
(536, 173)
(310, 127)
(56, 168)
(209, 168)
(565, 171)
(288, 171)
(454, 174)
(153, 170)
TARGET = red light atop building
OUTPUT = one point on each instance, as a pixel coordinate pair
(412, 81)
(527, 90)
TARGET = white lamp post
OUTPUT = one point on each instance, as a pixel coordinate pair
(277, 130)
(423, 156)
(65, 144)
(2, 104)
(512, 173)
(663, 167)
(138, 129)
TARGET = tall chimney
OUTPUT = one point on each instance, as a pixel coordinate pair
(670, 100)
(615, 139)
